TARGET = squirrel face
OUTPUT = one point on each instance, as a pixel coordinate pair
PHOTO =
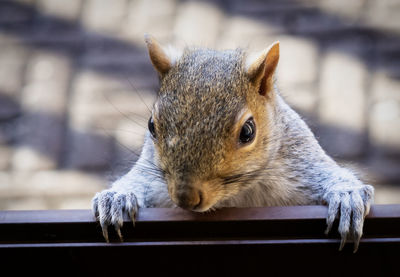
(210, 123)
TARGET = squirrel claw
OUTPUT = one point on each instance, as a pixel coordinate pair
(109, 206)
(352, 204)
(118, 230)
(342, 243)
(356, 243)
(105, 232)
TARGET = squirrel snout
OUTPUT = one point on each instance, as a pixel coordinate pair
(189, 198)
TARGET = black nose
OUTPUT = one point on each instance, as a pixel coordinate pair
(189, 198)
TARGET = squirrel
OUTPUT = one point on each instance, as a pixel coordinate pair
(221, 135)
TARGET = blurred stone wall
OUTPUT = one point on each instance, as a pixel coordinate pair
(76, 84)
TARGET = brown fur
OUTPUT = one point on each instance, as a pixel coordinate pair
(217, 153)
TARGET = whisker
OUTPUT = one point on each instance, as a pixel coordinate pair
(124, 115)
(123, 130)
(155, 171)
(138, 94)
(121, 144)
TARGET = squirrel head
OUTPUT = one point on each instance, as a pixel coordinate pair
(211, 121)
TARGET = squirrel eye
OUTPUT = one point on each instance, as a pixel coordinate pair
(151, 127)
(248, 131)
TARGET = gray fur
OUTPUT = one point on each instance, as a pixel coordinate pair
(296, 170)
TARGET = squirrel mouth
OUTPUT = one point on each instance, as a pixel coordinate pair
(190, 199)
(201, 206)
(196, 197)
(200, 201)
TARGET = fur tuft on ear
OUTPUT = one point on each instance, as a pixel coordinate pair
(261, 67)
(161, 58)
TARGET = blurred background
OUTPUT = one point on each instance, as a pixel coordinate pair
(76, 84)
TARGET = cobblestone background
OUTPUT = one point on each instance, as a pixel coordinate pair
(76, 83)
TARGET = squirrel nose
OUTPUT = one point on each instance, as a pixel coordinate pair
(189, 198)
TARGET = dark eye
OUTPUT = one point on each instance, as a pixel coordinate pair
(248, 131)
(151, 127)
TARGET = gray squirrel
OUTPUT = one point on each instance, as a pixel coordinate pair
(221, 135)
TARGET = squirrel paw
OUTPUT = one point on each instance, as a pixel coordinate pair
(354, 204)
(108, 207)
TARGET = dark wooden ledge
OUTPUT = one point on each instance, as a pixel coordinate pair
(231, 240)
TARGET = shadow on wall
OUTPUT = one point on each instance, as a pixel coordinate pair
(48, 138)
(287, 16)
(88, 51)
(328, 31)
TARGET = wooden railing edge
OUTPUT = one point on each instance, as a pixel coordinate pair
(236, 240)
(177, 214)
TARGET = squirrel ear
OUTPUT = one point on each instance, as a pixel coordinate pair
(162, 59)
(260, 68)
